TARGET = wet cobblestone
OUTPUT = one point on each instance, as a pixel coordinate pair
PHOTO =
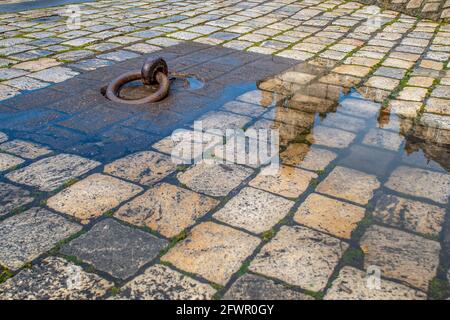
(359, 94)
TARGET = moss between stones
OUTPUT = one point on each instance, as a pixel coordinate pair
(5, 274)
(438, 289)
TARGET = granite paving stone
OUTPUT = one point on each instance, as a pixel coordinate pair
(260, 97)
(186, 146)
(12, 198)
(253, 287)
(29, 234)
(330, 137)
(8, 161)
(307, 157)
(54, 74)
(401, 255)
(285, 180)
(349, 184)
(24, 149)
(409, 214)
(351, 284)
(359, 96)
(313, 254)
(215, 179)
(420, 183)
(114, 248)
(159, 282)
(329, 215)
(50, 173)
(146, 167)
(166, 208)
(54, 279)
(254, 210)
(212, 251)
(93, 196)
(26, 84)
(220, 120)
(383, 139)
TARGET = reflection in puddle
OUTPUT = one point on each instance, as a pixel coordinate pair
(309, 111)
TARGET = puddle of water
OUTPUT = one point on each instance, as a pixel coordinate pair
(326, 115)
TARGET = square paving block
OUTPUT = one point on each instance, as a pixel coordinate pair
(243, 108)
(166, 208)
(253, 287)
(54, 74)
(187, 146)
(24, 149)
(8, 161)
(12, 197)
(162, 283)
(349, 184)
(351, 284)
(215, 179)
(304, 156)
(286, 181)
(146, 167)
(114, 248)
(54, 279)
(329, 215)
(361, 108)
(409, 214)
(254, 210)
(28, 235)
(342, 121)
(368, 159)
(252, 148)
(213, 251)
(220, 120)
(50, 173)
(260, 98)
(293, 117)
(330, 137)
(93, 196)
(300, 256)
(401, 255)
(420, 183)
(383, 139)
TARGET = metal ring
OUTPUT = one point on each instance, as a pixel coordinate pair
(112, 92)
(151, 67)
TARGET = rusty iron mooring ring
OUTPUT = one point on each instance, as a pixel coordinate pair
(151, 72)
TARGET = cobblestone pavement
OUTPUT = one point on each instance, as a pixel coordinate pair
(93, 207)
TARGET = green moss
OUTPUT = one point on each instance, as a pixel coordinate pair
(70, 182)
(353, 257)
(61, 243)
(115, 291)
(362, 226)
(5, 274)
(109, 213)
(217, 286)
(314, 182)
(438, 289)
(182, 167)
(315, 295)
(267, 235)
(73, 259)
(180, 237)
(243, 269)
